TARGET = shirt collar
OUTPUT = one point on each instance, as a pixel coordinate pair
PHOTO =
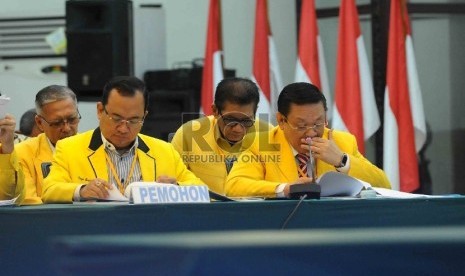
(294, 151)
(112, 148)
(52, 147)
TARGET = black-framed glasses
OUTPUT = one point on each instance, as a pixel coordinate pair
(135, 122)
(315, 127)
(72, 121)
(231, 121)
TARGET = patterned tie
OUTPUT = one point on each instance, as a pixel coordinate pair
(303, 160)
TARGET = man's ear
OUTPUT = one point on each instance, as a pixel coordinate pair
(39, 123)
(279, 118)
(100, 108)
(215, 111)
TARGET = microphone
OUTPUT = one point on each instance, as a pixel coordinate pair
(293, 212)
(311, 161)
(310, 189)
(218, 197)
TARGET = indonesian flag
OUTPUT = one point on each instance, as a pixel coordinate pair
(404, 119)
(311, 65)
(355, 106)
(265, 63)
(213, 67)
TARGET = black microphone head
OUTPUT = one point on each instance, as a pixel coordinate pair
(312, 190)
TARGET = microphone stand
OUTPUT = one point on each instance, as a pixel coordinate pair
(310, 190)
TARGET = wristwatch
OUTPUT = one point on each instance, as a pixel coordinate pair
(343, 161)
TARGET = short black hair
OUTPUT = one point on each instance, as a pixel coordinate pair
(239, 91)
(299, 93)
(27, 122)
(126, 86)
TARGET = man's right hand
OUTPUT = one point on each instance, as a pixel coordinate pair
(97, 188)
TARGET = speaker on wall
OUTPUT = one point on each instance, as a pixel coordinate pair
(180, 79)
(100, 44)
(167, 111)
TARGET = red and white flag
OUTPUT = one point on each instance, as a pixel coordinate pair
(404, 119)
(355, 106)
(311, 65)
(266, 71)
(213, 65)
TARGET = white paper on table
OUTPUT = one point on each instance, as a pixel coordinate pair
(115, 195)
(398, 194)
(339, 184)
(8, 202)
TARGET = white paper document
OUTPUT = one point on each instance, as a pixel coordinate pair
(339, 184)
(4, 100)
(388, 193)
(115, 195)
(8, 202)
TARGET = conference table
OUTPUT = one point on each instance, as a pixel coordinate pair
(34, 239)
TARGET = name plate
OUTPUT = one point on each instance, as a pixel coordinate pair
(146, 193)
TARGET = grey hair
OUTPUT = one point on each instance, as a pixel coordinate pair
(52, 94)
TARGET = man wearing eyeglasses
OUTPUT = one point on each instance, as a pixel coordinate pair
(57, 116)
(11, 174)
(210, 145)
(302, 128)
(112, 156)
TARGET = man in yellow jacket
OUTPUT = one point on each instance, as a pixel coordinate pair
(270, 166)
(58, 117)
(90, 164)
(210, 145)
(11, 174)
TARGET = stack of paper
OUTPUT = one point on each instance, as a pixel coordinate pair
(8, 202)
(339, 184)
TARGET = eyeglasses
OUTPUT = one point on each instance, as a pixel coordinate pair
(72, 121)
(315, 127)
(136, 122)
(231, 121)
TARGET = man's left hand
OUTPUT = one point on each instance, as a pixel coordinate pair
(325, 149)
(7, 133)
(166, 179)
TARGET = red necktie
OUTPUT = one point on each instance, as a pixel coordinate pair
(303, 160)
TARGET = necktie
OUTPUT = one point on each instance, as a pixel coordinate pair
(303, 160)
(229, 161)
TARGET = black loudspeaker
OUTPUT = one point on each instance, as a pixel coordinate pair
(100, 44)
(167, 111)
(174, 99)
(180, 79)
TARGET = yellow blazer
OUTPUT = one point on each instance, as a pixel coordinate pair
(204, 151)
(11, 177)
(81, 158)
(32, 153)
(270, 162)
